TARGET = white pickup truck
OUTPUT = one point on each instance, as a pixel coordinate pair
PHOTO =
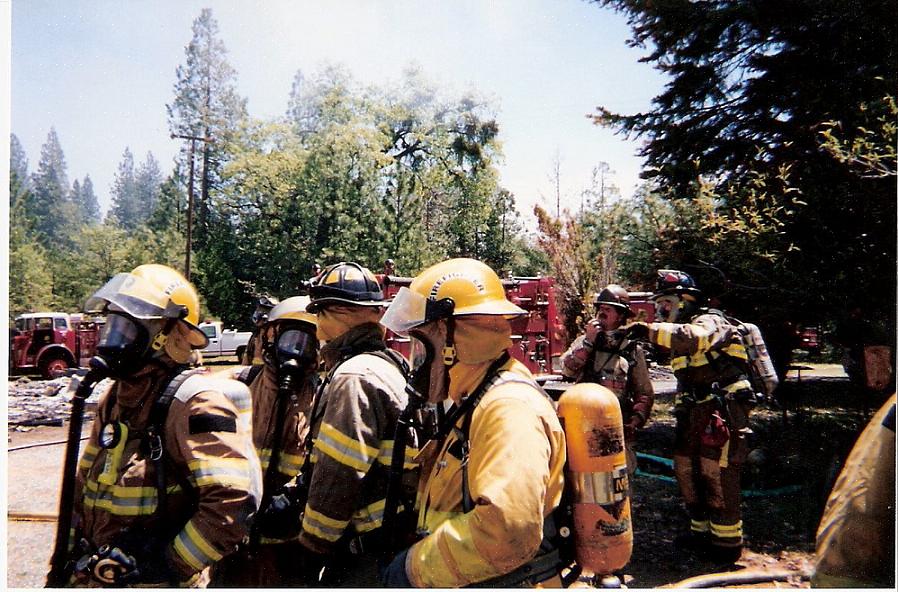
(224, 342)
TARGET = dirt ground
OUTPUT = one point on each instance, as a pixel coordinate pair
(804, 448)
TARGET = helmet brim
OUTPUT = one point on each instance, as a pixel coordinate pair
(316, 305)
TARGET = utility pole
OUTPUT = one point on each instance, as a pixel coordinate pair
(193, 140)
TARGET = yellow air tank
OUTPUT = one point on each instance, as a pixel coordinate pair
(597, 477)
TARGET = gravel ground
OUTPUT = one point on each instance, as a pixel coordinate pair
(779, 529)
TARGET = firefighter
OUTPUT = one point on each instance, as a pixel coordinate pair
(354, 420)
(856, 536)
(282, 390)
(603, 356)
(487, 502)
(253, 354)
(713, 402)
(169, 479)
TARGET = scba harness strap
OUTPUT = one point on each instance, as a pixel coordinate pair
(548, 560)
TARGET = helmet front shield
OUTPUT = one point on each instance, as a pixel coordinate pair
(132, 294)
(407, 311)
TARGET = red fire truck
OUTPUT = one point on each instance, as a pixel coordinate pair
(51, 342)
(539, 338)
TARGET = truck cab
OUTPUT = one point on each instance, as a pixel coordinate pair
(224, 342)
(51, 342)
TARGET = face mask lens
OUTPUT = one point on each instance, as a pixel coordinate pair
(418, 355)
(123, 343)
(119, 331)
(296, 344)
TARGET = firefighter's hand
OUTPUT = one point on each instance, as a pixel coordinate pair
(395, 576)
(637, 331)
(593, 328)
(150, 569)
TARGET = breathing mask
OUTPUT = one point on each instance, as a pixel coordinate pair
(124, 343)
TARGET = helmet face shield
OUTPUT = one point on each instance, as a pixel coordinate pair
(407, 311)
(132, 294)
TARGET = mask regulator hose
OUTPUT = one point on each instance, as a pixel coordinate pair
(59, 573)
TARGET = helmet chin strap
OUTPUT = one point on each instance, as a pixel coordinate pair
(172, 314)
(450, 356)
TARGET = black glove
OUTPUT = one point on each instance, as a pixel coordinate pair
(394, 576)
(282, 518)
(637, 331)
(114, 566)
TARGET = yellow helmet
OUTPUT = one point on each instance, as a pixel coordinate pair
(293, 308)
(457, 287)
(153, 291)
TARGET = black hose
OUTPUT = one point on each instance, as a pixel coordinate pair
(57, 576)
(40, 444)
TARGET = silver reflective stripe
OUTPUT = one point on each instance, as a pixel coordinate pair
(600, 487)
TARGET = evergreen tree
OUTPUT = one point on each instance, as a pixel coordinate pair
(147, 183)
(206, 105)
(19, 183)
(752, 86)
(49, 206)
(90, 206)
(126, 208)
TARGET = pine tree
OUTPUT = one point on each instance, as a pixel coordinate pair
(90, 207)
(206, 105)
(50, 204)
(126, 208)
(147, 180)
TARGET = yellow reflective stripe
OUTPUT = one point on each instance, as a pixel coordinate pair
(194, 549)
(369, 517)
(121, 500)
(725, 455)
(736, 350)
(321, 526)
(704, 343)
(231, 472)
(679, 363)
(344, 449)
(663, 334)
(739, 385)
(726, 530)
(114, 458)
(385, 457)
(89, 456)
(290, 464)
(700, 525)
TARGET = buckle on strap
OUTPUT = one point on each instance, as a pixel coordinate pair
(154, 442)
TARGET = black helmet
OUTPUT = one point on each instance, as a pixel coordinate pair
(263, 307)
(345, 283)
(616, 296)
(672, 281)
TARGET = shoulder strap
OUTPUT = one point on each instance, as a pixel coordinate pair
(155, 434)
(395, 358)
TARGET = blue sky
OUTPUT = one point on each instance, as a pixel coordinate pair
(101, 73)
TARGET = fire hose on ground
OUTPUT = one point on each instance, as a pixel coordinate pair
(666, 462)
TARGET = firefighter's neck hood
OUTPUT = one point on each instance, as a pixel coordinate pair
(478, 341)
(334, 321)
(144, 385)
(364, 337)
